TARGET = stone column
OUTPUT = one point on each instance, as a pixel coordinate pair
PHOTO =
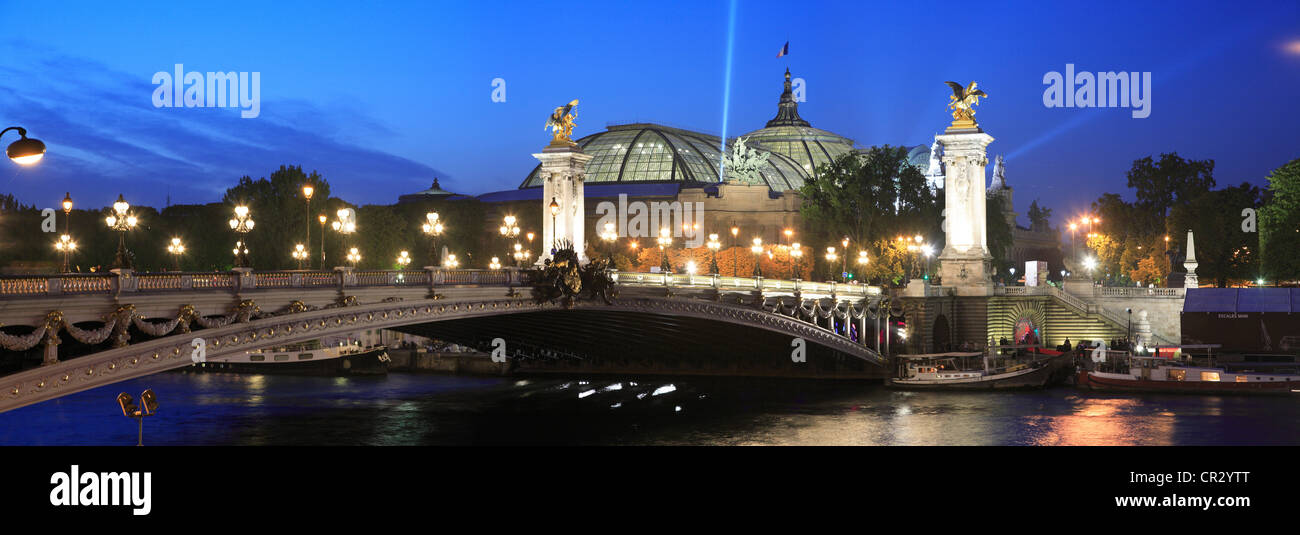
(965, 262)
(1190, 281)
(563, 172)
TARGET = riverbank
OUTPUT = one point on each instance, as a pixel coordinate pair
(473, 363)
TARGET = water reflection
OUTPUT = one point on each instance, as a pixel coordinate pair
(218, 408)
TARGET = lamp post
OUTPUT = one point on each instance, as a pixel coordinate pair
(714, 245)
(789, 234)
(796, 255)
(299, 253)
(25, 151)
(831, 256)
(65, 245)
(844, 261)
(307, 191)
(757, 249)
(354, 256)
(665, 241)
(863, 260)
(241, 224)
(521, 255)
(555, 234)
(451, 261)
(67, 213)
(121, 221)
(509, 230)
(176, 249)
(322, 220)
(403, 259)
(735, 250)
(495, 263)
(433, 228)
(346, 224)
(610, 236)
(928, 251)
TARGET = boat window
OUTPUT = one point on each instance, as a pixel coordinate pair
(304, 356)
(281, 358)
(1178, 375)
(256, 358)
(1209, 376)
(1241, 378)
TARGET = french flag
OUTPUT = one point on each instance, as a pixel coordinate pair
(784, 50)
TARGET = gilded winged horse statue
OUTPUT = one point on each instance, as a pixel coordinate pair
(561, 123)
(963, 101)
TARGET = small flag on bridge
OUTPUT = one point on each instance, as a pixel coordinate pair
(784, 50)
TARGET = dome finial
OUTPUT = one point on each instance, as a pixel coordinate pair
(787, 113)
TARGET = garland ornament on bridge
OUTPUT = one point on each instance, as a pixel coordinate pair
(117, 323)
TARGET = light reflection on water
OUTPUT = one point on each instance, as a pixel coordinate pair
(400, 409)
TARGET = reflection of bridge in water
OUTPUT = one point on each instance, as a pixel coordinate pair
(67, 333)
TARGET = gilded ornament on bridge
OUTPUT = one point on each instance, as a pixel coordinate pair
(561, 124)
(962, 102)
(565, 277)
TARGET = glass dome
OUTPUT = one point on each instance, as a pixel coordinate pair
(810, 147)
(641, 153)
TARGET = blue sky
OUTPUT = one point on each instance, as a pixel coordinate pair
(380, 100)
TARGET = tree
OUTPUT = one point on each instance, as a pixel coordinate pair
(1279, 225)
(998, 233)
(1224, 251)
(1160, 184)
(280, 213)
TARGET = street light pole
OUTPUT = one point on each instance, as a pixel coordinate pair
(121, 221)
(322, 220)
(307, 191)
(241, 224)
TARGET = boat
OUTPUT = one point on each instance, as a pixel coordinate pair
(311, 358)
(1121, 371)
(1003, 368)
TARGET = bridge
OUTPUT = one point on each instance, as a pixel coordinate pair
(63, 334)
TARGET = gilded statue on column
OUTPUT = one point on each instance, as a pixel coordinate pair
(962, 102)
(561, 124)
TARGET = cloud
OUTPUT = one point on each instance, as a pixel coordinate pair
(104, 137)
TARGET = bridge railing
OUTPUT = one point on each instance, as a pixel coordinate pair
(126, 281)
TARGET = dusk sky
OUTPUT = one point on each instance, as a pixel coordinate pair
(382, 99)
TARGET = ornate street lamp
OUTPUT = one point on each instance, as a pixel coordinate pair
(346, 224)
(322, 220)
(611, 238)
(433, 228)
(299, 253)
(307, 191)
(714, 245)
(241, 224)
(353, 256)
(451, 261)
(176, 249)
(844, 261)
(690, 267)
(403, 259)
(789, 233)
(521, 255)
(65, 245)
(863, 261)
(757, 249)
(25, 151)
(495, 263)
(831, 255)
(555, 236)
(121, 221)
(735, 250)
(665, 241)
(68, 213)
(796, 254)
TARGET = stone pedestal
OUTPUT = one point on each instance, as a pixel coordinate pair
(564, 169)
(965, 263)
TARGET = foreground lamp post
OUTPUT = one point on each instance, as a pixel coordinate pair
(757, 249)
(299, 253)
(796, 255)
(121, 221)
(25, 151)
(148, 407)
(714, 245)
(65, 245)
(432, 228)
(176, 249)
(665, 240)
(241, 224)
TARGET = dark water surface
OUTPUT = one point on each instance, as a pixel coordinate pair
(415, 409)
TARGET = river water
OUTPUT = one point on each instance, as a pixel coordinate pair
(419, 409)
